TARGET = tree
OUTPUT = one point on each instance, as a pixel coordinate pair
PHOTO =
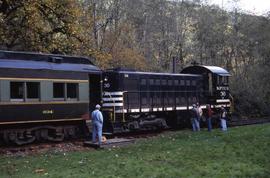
(47, 26)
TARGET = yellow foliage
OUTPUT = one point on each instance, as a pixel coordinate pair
(66, 27)
(102, 59)
(129, 58)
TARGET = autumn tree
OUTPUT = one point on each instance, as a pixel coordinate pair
(47, 26)
(147, 35)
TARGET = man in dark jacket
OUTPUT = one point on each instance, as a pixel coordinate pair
(208, 115)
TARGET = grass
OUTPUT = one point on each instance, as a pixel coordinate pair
(240, 152)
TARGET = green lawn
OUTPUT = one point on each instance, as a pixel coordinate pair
(240, 152)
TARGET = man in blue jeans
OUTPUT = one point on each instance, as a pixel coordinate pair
(97, 122)
(209, 114)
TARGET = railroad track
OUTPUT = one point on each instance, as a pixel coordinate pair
(243, 122)
(36, 148)
(78, 144)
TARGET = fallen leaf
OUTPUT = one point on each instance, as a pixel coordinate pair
(39, 170)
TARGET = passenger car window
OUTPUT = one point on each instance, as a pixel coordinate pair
(72, 90)
(33, 89)
(16, 91)
(59, 90)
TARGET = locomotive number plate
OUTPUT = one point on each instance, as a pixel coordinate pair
(47, 112)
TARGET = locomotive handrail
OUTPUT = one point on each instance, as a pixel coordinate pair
(109, 94)
(123, 107)
(112, 99)
(231, 103)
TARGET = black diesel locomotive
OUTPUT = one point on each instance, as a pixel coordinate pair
(48, 97)
(141, 100)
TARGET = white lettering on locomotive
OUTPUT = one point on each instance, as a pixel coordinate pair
(222, 88)
(107, 85)
(223, 94)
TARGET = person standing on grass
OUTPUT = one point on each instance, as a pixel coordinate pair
(200, 111)
(195, 118)
(223, 118)
(209, 114)
(97, 123)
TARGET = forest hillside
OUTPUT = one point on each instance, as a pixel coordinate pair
(146, 35)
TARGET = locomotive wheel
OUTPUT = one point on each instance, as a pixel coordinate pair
(57, 134)
(70, 132)
(12, 136)
(17, 137)
(39, 134)
(5, 137)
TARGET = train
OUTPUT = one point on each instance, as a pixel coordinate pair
(48, 97)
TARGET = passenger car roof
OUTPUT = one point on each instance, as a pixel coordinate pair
(36, 61)
(40, 65)
(34, 56)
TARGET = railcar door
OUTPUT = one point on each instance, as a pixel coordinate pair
(95, 90)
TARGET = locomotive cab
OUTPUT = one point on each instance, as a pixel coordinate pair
(215, 83)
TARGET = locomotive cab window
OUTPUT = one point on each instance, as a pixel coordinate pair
(16, 91)
(222, 80)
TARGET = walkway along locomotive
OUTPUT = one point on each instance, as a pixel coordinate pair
(48, 97)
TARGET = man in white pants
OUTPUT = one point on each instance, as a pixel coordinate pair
(223, 118)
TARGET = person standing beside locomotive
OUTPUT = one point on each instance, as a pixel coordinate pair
(200, 111)
(209, 114)
(97, 123)
(195, 118)
(223, 118)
